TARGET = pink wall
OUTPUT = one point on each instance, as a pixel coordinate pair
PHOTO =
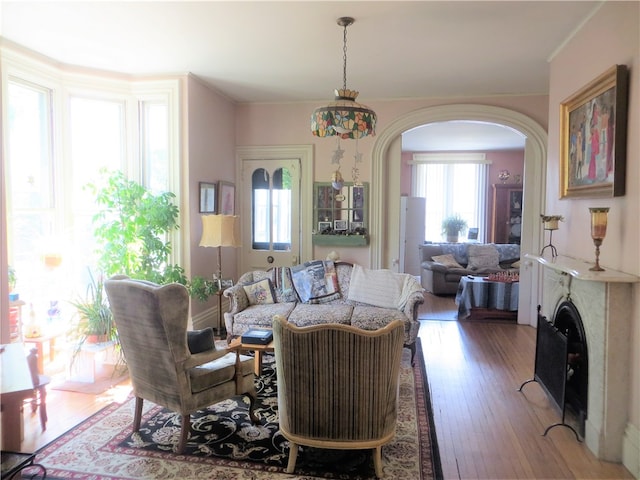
(292, 127)
(211, 151)
(612, 36)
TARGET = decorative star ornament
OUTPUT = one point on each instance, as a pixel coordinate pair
(338, 153)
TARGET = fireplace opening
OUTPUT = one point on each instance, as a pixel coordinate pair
(562, 365)
(567, 320)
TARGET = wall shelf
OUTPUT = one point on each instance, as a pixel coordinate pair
(341, 240)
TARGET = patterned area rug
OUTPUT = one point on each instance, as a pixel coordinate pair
(225, 445)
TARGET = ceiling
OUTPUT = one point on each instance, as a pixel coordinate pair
(291, 51)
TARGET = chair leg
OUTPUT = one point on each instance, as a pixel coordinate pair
(377, 461)
(137, 418)
(42, 403)
(293, 456)
(184, 434)
(252, 403)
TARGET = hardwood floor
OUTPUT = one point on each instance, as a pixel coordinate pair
(486, 429)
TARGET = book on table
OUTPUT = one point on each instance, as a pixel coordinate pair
(257, 336)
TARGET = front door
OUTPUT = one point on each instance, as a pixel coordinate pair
(271, 234)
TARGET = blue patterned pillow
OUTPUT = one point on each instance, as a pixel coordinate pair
(458, 250)
(509, 252)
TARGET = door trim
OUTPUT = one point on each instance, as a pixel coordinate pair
(280, 152)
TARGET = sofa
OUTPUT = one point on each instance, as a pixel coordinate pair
(443, 264)
(323, 292)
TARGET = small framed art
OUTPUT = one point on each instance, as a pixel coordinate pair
(339, 225)
(227, 194)
(208, 198)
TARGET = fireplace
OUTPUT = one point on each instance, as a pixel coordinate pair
(562, 366)
(602, 301)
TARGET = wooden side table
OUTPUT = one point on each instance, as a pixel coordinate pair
(16, 385)
(236, 344)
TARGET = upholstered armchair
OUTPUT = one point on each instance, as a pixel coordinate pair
(152, 327)
(337, 386)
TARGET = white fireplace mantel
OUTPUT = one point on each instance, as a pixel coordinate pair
(604, 302)
(580, 270)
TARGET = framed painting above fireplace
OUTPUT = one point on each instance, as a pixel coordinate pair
(593, 131)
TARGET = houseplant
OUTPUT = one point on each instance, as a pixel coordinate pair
(452, 226)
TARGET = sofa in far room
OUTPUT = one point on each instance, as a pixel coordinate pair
(443, 264)
(321, 292)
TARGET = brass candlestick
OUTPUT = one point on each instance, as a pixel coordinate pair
(598, 232)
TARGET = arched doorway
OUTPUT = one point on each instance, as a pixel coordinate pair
(385, 202)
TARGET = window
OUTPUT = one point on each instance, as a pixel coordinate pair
(60, 134)
(271, 209)
(451, 184)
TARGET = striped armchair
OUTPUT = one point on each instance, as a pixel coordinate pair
(337, 386)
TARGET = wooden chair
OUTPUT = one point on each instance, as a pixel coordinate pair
(40, 382)
(337, 386)
(152, 328)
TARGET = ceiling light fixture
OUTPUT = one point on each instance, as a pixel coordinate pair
(344, 117)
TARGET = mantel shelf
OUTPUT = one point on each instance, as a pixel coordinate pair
(580, 269)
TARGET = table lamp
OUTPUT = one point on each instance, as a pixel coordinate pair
(220, 231)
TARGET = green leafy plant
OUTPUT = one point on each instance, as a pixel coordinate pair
(12, 278)
(453, 225)
(132, 230)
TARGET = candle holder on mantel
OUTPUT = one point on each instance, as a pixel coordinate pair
(550, 223)
(598, 232)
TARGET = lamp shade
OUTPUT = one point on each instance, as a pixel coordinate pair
(344, 117)
(220, 231)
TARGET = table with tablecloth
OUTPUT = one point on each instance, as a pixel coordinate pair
(477, 293)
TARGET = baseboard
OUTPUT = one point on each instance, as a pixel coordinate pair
(631, 450)
(207, 318)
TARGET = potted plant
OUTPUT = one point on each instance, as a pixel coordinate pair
(93, 320)
(453, 226)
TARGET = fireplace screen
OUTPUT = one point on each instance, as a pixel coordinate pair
(561, 366)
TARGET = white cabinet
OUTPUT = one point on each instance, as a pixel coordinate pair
(412, 223)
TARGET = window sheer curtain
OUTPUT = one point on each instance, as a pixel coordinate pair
(451, 184)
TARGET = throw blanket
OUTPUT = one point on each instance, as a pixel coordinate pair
(382, 288)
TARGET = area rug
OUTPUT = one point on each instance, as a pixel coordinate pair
(225, 445)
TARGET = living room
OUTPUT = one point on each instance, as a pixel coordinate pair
(216, 126)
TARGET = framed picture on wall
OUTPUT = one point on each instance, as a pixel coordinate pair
(227, 198)
(208, 197)
(593, 132)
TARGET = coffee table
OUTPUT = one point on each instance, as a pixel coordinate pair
(259, 350)
(480, 299)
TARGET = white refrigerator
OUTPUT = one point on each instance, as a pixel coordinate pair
(412, 222)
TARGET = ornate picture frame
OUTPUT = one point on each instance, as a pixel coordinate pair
(208, 197)
(227, 198)
(593, 131)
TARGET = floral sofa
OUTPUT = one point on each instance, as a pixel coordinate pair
(320, 292)
(443, 264)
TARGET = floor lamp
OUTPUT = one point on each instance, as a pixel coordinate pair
(220, 231)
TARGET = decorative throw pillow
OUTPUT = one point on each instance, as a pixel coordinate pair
(447, 260)
(201, 340)
(315, 281)
(483, 257)
(515, 264)
(260, 292)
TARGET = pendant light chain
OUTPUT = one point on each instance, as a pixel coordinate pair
(344, 58)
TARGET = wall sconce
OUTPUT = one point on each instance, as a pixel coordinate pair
(598, 232)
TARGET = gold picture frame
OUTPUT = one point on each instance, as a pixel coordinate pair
(593, 131)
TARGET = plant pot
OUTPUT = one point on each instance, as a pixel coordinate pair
(452, 238)
(95, 338)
